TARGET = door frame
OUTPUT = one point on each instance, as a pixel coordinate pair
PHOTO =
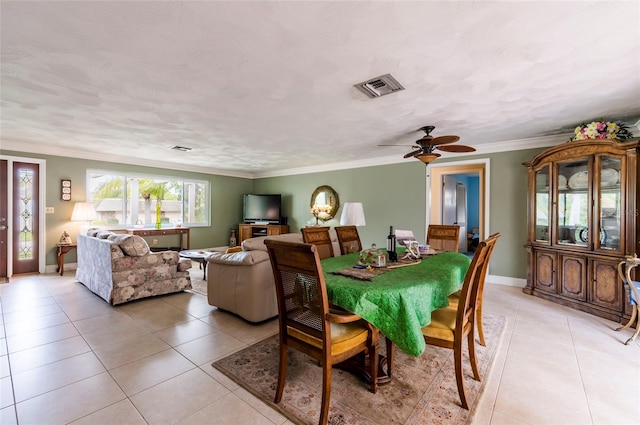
(42, 172)
(434, 175)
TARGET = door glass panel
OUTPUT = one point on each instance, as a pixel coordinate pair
(609, 196)
(573, 202)
(543, 206)
(25, 226)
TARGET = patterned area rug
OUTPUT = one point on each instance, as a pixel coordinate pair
(198, 284)
(422, 391)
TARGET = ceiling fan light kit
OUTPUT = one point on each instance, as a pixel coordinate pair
(428, 157)
(424, 148)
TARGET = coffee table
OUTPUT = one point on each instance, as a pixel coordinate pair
(199, 256)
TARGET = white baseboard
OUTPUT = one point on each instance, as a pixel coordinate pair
(67, 267)
(506, 281)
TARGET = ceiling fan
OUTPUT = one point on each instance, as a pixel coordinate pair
(425, 147)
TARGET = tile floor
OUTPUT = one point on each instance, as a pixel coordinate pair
(68, 357)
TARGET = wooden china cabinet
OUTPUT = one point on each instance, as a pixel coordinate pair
(582, 220)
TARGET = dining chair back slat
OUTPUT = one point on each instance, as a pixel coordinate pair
(348, 239)
(319, 236)
(443, 237)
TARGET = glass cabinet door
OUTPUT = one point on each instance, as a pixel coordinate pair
(609, 203)
(543, 205)
(573, 202)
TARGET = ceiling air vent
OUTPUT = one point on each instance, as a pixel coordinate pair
(380, 86)
(180, 148)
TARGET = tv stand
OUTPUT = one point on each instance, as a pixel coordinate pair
(253, 230)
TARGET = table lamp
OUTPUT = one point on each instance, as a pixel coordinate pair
(84, 212)
(352, 214)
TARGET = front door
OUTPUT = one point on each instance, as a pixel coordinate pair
(4, 201)
(26, 218)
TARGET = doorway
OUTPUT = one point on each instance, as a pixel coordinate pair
(437, 174)
(22, 247)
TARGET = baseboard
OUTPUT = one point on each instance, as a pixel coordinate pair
(506, 281)
(52, 268)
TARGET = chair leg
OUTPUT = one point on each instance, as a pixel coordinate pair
(457, 355)
(635, 334)
(479, 321)
(373, 363)
(282, 373)
(326, 393)
(634, 312)
(472, 355)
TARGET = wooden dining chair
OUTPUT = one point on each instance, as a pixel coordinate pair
(319, 236)
(624, 271)
(454, 298)
(307, 325)
(443, 237)
(348, 239)
(449, 327)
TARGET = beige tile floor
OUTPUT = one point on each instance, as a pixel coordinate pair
(68, 357)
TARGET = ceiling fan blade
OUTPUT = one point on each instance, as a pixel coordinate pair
(402, 146)
(445, 140)
(413, 153)
(456, 148)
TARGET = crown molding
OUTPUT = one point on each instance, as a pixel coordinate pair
(486, 148)
(72, 153)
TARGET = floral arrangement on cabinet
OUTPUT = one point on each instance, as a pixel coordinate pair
(602, 130)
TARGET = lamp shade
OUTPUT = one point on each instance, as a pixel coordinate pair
(352, 214)
(84, 211)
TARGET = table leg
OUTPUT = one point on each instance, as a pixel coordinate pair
(204, 269)
(358, 365)
(391, 354)
(60, 268)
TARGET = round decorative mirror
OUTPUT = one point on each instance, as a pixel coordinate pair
(324, 203)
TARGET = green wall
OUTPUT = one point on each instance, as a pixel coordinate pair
(226, 200)
(393, 195)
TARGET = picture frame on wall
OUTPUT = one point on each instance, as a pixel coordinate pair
(65, 190)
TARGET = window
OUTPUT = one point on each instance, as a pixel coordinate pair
(122, 200)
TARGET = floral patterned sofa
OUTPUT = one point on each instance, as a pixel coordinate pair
(121, 268)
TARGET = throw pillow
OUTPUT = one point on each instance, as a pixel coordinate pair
(118, 238)
(93, 231)
(104, 234)
(135, 246)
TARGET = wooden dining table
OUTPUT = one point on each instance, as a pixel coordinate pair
(398, 301)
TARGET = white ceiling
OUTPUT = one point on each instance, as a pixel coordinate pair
(256, 88)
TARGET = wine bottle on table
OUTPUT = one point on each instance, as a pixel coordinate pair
(391, 246)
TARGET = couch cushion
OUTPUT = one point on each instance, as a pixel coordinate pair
(132, 245)
(258, 243)
(242, 258)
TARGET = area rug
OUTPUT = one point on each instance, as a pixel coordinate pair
(422, 389)
(198, 284)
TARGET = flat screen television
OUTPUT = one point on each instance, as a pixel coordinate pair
(261, 208)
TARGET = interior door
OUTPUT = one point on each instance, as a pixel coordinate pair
(461, 215)
(449, 207)
(4, 202)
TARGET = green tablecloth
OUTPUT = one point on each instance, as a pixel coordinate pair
(399, 302)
